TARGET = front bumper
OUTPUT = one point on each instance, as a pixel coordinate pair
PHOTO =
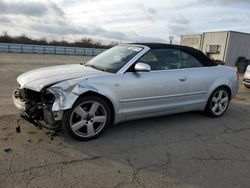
(19, 103)
(246, 81)
(37, 114)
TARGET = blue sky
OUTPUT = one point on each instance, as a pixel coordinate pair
(122, 20)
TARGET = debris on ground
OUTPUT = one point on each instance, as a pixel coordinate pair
(5, 138)
(52, 134)
(18, 129)
(31, 132)
(40, 140)
(7, 150)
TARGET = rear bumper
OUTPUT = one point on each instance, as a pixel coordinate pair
(19, 103)
(234, 88)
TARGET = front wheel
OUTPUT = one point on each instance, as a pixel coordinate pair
(87, 119)
(218, 102)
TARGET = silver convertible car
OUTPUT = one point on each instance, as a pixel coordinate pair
(128, 81)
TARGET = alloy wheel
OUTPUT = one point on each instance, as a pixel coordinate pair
(88, 119)
(219, 102)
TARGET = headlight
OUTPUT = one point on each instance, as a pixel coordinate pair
(49, 97)
(57, 93)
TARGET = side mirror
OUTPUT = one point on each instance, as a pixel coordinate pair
(142, 67)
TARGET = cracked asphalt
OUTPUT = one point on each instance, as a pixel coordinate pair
(183, 150)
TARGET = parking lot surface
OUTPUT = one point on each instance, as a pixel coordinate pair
(183, 150)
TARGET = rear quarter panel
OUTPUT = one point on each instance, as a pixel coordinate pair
(224, 76)
(203, 81)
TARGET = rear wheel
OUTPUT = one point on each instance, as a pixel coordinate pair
(218, 102)
(87, 119)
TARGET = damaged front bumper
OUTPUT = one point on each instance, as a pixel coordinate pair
(19, 103)
(38, 114)
(246, 81)
(49, 104)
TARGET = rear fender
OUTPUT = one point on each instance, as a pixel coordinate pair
(219, 83)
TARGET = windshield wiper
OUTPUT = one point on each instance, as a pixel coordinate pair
(95, 67)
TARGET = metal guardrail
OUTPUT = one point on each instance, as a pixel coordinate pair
(45, 49)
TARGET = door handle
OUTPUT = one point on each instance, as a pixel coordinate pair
(183, 78)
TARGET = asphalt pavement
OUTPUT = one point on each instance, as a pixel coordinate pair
(182, 150)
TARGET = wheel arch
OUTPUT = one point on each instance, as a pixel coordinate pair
(92, 93)
(67, 96)
(207, 108)
(214, 89)
(218, 84)
(227, 88)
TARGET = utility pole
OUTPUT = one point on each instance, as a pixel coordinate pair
(171, 38)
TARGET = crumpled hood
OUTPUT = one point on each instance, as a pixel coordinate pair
(38, 79)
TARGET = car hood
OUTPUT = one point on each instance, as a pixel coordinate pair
(247, 73)
(38, 79)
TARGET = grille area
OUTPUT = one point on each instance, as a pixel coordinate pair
(27, 94)
(246, 80)
(22, 94)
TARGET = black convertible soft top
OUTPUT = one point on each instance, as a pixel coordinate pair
(199, 55)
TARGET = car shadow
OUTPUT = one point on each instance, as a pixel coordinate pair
(140, 132)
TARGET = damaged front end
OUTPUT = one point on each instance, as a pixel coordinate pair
(36, 107)
(44, 94)
(45, 108)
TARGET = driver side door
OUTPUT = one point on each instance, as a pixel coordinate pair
(163, 90)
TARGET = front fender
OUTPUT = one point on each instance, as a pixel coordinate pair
(67, 93)
(66, 96)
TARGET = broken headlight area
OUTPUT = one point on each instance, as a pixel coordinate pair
(38, 107)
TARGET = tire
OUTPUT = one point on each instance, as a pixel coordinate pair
(247, 86)
(87, 119)
(218, 102)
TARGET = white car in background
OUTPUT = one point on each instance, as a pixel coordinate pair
(246, 79)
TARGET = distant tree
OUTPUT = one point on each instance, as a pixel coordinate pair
(112, 44)
(55, 43)
(23, 39)
(5, 33)
(6, 38)
(43, 41)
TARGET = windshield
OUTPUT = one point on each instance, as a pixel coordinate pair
(113, 59)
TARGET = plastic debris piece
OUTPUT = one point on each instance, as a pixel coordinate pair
(7, 150)
(18, 129)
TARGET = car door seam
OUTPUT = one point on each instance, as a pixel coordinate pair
(161, 97)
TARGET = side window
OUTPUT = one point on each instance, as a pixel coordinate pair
(188, 61)
(163, 59)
